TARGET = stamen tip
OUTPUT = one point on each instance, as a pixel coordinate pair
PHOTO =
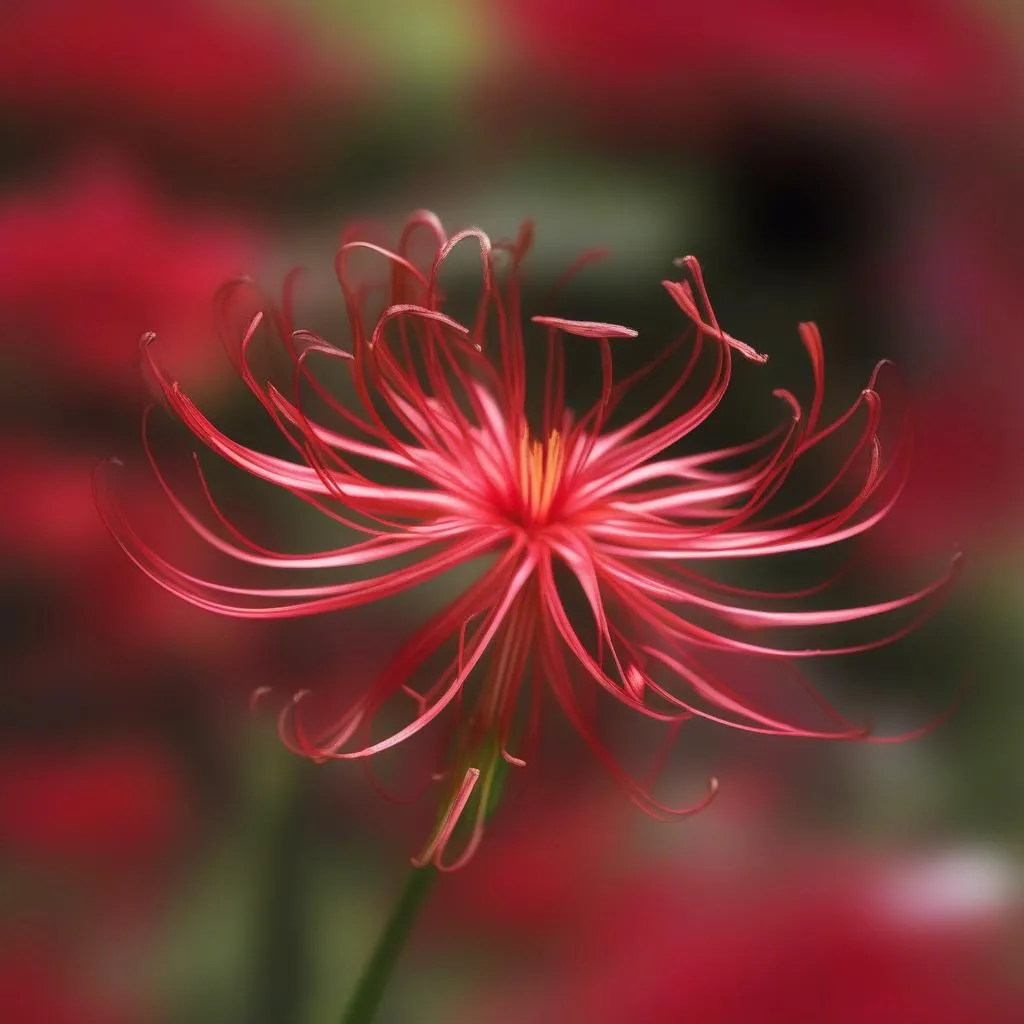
(257, 696)
(790, 400)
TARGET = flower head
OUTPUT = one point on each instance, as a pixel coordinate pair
(589, 525)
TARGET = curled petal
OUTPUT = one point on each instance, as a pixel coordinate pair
(436, 848)
(586, 328)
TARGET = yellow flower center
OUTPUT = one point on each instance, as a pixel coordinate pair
(540, 473)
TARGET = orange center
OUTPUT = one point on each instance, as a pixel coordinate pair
(540, 473)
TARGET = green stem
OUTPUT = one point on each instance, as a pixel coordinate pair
(377, 973)
(277, 842)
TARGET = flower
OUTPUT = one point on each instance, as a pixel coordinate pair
(93, 256)
(40, 983)
(920, 66)
(218, 89)
(589, 527)
(958, 274)
(121, 805)
(114, 625)
(830, 935)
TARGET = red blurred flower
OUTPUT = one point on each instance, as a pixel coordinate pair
(59, 565)
(589, 527)
(190, 80)
(656, 62)
(834, 939)
(960, 273)
(94, 260)
(112, 806)
(40, 984)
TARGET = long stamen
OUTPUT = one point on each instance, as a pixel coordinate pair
(540, 470)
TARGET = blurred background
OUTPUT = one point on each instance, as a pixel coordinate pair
(162, 858)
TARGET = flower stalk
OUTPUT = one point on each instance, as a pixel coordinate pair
(373, 982)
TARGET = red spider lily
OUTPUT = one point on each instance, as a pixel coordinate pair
(830, 936)
(442, 458)
(959, 274)
(113, 623)
(923, 64)
(94, 255)
(121, 806)
(40, 983)
(218, 87)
